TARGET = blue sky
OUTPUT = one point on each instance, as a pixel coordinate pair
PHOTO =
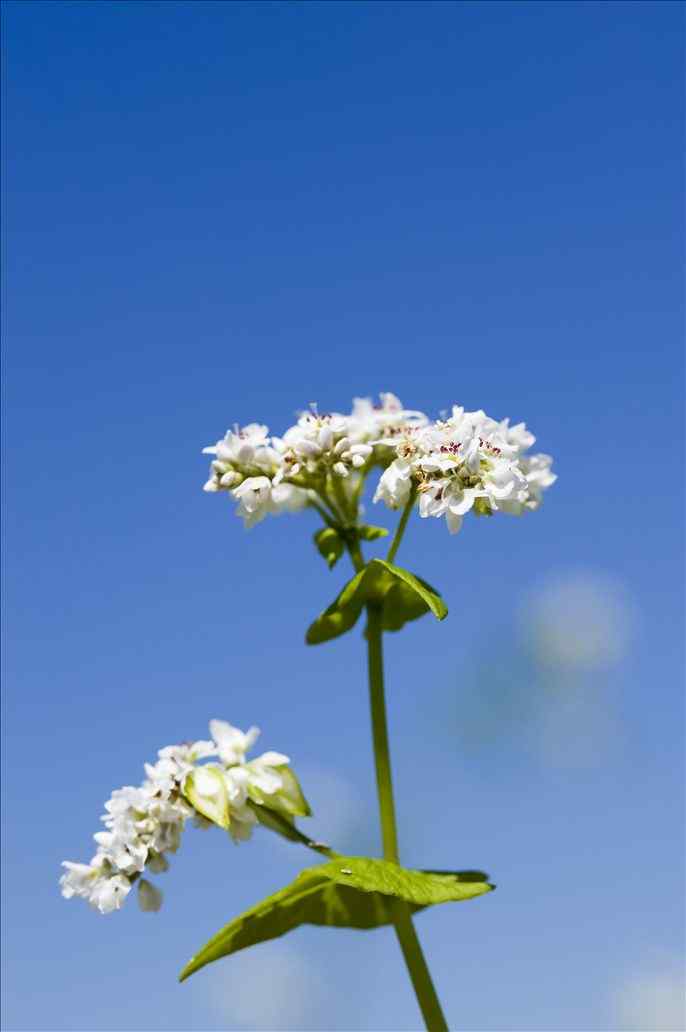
(219, 213)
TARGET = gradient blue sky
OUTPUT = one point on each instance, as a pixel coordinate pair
(219, 212)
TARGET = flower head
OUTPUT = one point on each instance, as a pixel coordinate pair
(468, 462)
(319, 460)
(144, 824)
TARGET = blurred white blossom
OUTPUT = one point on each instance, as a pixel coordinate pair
(271, 988)
(144, 824)
(653, 1000)
(578, 621)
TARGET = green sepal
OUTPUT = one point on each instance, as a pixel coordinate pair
(400, 595)
(288, 800)
(347, 892)
(210, 797)
(330, 545)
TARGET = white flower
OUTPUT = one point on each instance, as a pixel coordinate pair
(255, 498)
(109, 892)
(231, 743)
(103, 888)
(78, 879)
(381, 423)
(249, 446)
(264, 774)
(259, 496)
(395, 484)
(464, 463)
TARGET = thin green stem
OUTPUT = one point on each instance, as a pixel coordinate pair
(342, 500)
(382, 752)
(353, 546)
(402, 919)
(359, 487)
(415, 961)
(400, 529)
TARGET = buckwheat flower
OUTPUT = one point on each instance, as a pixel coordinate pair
(468, 462)
(320, 444)
(395, 485)
(381, 423)
(260, 496)
(100, 885)
(231, 744)
(249, 447)
(109, 892)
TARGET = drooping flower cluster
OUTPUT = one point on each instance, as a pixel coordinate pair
(453, 465)
(466, 462)
(144, 824)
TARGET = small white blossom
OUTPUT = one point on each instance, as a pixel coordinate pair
(103, 887)
(232, 744)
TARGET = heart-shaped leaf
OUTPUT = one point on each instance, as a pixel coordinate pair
(346, 892)
(401, 596)
(417, 587)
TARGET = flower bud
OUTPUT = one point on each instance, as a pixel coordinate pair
(149, 896)
(205, 790)
(325, 438)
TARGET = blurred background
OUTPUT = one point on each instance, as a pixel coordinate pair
(220, 212)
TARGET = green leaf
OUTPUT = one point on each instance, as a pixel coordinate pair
(347, 892)
(330, 545)
(367, 532)
(428, 595)
(341, 615)
(401, 595)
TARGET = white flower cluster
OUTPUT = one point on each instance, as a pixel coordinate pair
(319, 459)
(466, 462)
(144, 824)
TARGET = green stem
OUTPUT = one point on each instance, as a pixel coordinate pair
(400, 529)
(342, 500)
(353, 546)
(402, 919)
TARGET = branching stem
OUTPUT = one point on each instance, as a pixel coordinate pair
(400, 529)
